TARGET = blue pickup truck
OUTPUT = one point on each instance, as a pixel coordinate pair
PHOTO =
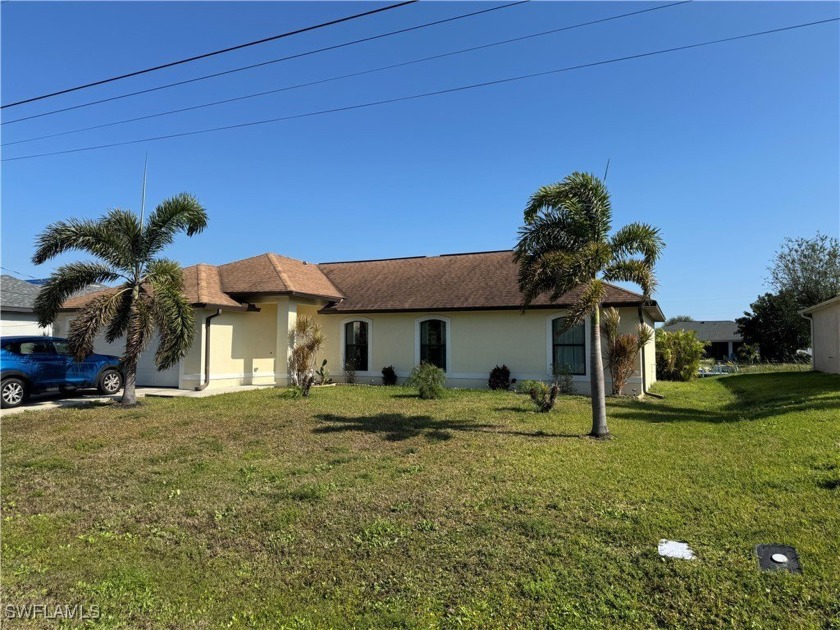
(32, 364)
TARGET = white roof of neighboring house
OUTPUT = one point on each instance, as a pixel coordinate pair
(724, 330)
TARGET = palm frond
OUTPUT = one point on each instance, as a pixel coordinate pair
(590, 299)
(174, 318)
(163, 272)
(638, 238)
(86, 235)
(67, 280)
(95, 314)
(635, 271)
(118, 325)
(181, 213)
(139, 330)
(125, 227)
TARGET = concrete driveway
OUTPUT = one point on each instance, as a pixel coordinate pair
(56, 400)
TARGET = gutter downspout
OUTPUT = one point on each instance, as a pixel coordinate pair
(644, 363)
(203, 386)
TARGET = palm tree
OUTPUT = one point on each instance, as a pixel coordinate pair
(151, 293)
(565, 244)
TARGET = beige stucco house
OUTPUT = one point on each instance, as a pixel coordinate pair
(825, 335)
(460, 311)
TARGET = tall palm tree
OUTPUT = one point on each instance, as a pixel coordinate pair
(150, 295)
(565, 244)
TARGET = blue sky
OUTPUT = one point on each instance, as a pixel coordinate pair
(728, 149)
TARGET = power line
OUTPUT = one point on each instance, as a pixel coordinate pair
(345, 76)
(213, 53)
(427, 94)
(18, 273)
(264, 63)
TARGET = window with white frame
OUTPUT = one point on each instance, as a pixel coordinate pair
(568, 346)
(356, 347)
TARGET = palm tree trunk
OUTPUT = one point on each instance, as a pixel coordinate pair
(599, 406)
(129, 396)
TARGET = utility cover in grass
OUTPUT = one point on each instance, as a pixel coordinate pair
(778, 558)
(675, 549)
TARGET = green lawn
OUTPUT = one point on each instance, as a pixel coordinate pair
(366, 507)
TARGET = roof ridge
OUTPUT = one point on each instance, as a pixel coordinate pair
(272, 259)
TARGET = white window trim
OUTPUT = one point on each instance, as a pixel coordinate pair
(370, 371)
(549, 346)
(448, 323)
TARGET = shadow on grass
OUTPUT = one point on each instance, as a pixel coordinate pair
(398, 427)
(757, 396)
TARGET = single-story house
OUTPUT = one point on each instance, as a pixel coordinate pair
(461, 312)
(825, 335)
(17, 301)
(722, 335)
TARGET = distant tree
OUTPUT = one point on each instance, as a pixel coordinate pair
(150, 295)
(776, 326)
(677, 319)
(808, 269)
(565, 244)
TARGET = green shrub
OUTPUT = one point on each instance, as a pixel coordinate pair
(389, 375)
(499, 378)
(543, 396)
(428, 379)
(678, 355)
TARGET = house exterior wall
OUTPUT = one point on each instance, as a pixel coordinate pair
(242, 348)
(13, 324)
(825, 338)
(477, 341)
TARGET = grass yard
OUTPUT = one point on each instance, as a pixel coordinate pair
(366, 507)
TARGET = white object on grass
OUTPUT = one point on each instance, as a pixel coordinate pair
(779, 558)
(675, 549)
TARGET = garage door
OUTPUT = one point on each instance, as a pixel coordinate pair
(147, 374)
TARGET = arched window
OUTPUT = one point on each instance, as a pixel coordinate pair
(433, 342)
(568, 347)
(356, 345)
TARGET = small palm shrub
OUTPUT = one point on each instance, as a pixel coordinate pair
(678, 354)
(428, 379)
(305, 340)
(389, 375)
(499, 377)
(543, 396)
(622, 349)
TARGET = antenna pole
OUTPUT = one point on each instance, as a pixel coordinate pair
(607, 170)
(143, 197)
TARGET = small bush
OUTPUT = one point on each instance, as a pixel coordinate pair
(678, 355)
(543, 396)
(389, 375)
(499, 378)
(349, 372)
(428, 379)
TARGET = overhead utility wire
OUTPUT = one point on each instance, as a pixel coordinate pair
(265, 63)
(427, 94)
(209, 54)
(343, 76)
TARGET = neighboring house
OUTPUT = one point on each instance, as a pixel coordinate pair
(460, 311)
(17, 306)
(723, 336)
(825, 335)
(17, 299)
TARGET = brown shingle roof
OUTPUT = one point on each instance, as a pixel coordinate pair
(486, 280)
(271, 273)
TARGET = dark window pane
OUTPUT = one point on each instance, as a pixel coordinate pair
(569, 347)
(433, 342)
(356, 345)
